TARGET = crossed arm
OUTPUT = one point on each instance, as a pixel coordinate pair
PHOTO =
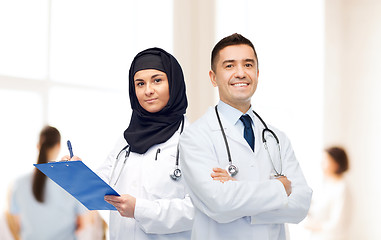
(281, 200)
(222, 175)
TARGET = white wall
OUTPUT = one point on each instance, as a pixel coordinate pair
(352, 103)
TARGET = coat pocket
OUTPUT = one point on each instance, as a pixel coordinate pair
(157, 182)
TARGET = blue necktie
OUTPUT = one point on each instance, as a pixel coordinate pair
(248, 131)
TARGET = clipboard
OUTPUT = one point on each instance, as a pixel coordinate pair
(81, 182)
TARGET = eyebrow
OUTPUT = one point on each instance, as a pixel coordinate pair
(232, 60)
(152, 77)
(156, 75)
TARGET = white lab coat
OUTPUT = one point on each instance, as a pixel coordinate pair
(163, 208)
(253, 207)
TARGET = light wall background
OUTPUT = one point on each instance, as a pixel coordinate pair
(65, 63)
(352, 108)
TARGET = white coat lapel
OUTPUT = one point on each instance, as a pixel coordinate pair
(230, 131)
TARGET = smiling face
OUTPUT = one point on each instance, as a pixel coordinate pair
(152, 89)
(236, 76)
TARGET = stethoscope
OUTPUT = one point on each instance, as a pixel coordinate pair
(231, 168)
(175, 174)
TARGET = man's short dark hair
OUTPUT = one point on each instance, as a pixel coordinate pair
(234, 39)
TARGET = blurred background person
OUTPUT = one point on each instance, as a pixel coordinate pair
(5, 228)
(40, 209)
(329, 215)
(9, 226)
(95, 227)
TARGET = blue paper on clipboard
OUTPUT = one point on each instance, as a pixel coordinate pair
(81, 182)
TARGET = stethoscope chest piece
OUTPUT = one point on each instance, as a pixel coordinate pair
(175, 174)
(232, 170)
(278, 175)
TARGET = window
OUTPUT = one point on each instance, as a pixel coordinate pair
(65, 63)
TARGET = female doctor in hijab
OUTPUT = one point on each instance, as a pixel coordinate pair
(154, 203)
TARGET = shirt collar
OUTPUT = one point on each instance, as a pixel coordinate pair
(232, 114)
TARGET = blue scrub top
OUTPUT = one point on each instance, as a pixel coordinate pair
(55, 218)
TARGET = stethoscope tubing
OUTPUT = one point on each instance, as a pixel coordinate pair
(264, 141)
(178, 150)
(128, 150)
(224, 136)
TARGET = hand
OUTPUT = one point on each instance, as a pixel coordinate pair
(67, 158)
(286, 183)
(221, 175)
(125, 204)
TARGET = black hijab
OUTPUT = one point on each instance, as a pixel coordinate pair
(147, 129)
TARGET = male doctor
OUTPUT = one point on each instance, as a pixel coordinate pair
(268, 189)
